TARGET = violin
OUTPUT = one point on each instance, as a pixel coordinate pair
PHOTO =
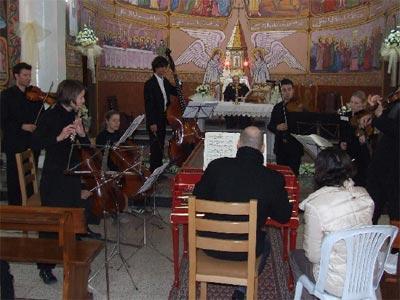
(35, 94)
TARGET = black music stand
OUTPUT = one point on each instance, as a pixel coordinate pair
(200, 111)
(147, 185)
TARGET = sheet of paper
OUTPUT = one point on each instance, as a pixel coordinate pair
(131, 129)
(152, 178)
(313, 143)
(223, 144)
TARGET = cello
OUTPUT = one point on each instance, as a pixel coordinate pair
(185, 132)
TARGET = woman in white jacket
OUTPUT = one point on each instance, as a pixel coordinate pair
(336, 205)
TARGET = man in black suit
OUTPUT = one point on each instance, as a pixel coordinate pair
(157, 91)
(234, 91)
(287, 149)
(239, 180)
(17, 123)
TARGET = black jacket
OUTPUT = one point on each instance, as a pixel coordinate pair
(15, 111)
(230, 92)
(56, 188)
(239, 180)
(385, 161)
(285, 143)
(105, 136)
(154, 100)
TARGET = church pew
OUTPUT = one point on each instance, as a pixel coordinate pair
(75, 256)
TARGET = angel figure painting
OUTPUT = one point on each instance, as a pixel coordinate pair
(275, 52)
(204, 52)
(259, 69)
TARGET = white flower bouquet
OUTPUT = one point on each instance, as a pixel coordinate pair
(390, 51)
(344, 110)
(203, 89)
(86, 37)
(83, 113)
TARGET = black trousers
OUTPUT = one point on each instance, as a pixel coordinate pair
(384, 191)
(13, 189)
(6, 281)
(157, 142)
(292, 161)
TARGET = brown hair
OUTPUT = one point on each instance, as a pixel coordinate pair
(68, 90)
(360, 95)
(110, 113)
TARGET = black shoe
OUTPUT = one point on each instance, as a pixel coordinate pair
(238, 295)
(47, 276)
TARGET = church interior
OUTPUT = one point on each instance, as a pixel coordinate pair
(194, 149)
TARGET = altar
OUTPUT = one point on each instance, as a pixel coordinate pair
(243, 109)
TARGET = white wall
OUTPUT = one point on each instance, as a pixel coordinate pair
(50, 15)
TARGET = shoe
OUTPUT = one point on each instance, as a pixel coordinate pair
(93, 235)
(238, 295)
(47, 276)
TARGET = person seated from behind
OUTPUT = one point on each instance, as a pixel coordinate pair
(336, 205)
(234, 92)
(240, 179)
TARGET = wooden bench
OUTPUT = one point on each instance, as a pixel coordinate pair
(75, 256)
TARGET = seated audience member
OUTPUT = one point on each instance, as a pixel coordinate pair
(240, 179)
(336, 205)
(110, 134)
(353, 141)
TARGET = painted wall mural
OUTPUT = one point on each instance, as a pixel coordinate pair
(277, 8)
(152, 4)
(347, 50)
(327, 6)
(205, 8)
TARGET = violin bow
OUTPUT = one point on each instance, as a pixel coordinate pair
(44, 101)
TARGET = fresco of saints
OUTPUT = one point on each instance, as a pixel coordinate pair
(259, 68)
(214, 68)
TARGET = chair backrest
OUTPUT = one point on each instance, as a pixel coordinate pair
(367, 249)
(197, 222)
(27, 174)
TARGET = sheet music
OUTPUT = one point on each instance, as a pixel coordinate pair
(223, 144)
(131, 129)
(199, 109)
(152, 178)
(313, 143)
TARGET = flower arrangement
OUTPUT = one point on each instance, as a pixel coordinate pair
(344, 110)
(86, 41)
(203, 89)
(307, 169)
(390, 51)
(83, 113)
(86, 37)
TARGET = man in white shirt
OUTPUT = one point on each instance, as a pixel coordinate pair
(156, 100)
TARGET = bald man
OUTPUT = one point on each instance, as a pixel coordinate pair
(243, 178)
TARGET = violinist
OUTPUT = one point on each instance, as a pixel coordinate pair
(383, 174)
(287, 149)
(353, 139)
(17, 123)
(157, 91)
(56, 130)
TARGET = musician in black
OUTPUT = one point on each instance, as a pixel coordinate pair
(354, 141)
(55, 133)
(234, 92)
(287, 149)
(18, 117)
(111, 133)
(383, 180)
(157, 91)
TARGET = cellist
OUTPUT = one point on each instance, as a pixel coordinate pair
(157, 91)
(55, 133)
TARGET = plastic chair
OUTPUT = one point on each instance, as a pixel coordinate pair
(365, 262)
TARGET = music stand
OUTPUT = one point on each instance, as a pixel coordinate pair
(200, 111)
(147, 185)
(313, 144)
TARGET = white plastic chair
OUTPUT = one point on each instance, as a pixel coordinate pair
(365, 262)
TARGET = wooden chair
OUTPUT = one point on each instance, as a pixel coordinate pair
(27, 175)
(204, 268)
